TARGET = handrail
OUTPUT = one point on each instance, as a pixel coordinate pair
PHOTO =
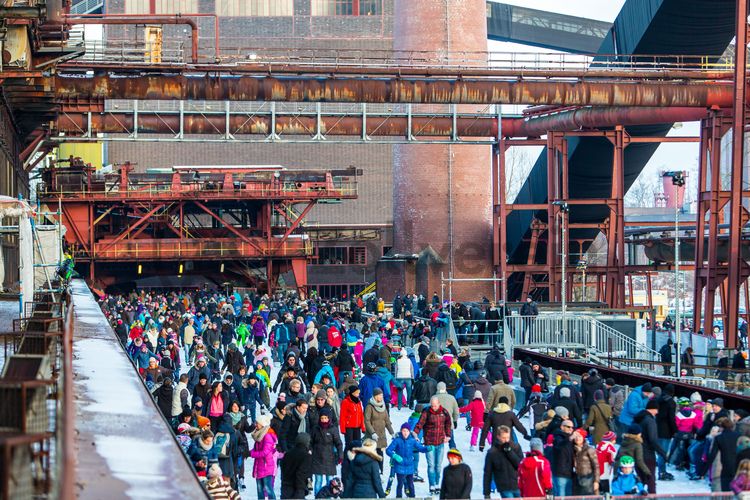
(66, 418)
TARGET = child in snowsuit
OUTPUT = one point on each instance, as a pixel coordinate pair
(627, 482)
(402, 451)
(476, 411)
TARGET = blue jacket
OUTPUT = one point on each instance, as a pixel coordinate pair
(635, 403)
(625, 483)
(367, 386)
(405, 448)
(387, 377)
(352, 336)
(250, 394)
(326, 369)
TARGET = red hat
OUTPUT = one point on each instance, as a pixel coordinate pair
(536, 388)
(609, 436)
(582, 432)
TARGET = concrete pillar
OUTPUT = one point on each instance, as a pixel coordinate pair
(442, 196)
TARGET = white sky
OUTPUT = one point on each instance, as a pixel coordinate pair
(668, 156)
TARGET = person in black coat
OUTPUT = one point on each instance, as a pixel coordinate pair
(527, 377)
(726, 444)
(164, 395)
(590, 383)
(651, 447)
(296, 468)
(562, 459)
(566, 401)
(666, 357)
(327, 450)
(494, 363)
(424, 388)
(501, 464)
(666, 427)
(296, 414)
(457, 478)
(362, 479)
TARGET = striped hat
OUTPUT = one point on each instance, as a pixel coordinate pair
(609, 436)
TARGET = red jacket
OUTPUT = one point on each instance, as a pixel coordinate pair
(534, 475)
(476, 408)
(334, 337)
(352, 415)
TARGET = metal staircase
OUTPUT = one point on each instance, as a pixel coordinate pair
(583, 335)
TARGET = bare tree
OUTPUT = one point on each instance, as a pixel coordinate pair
(642, 192)
(518, 165)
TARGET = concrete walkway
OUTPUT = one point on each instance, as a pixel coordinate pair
(123, 445)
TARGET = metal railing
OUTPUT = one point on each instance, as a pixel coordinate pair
(36, 414)
(583, 335)
(86, 6)
(140, 249)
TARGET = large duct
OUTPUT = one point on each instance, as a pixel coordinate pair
(442, 195)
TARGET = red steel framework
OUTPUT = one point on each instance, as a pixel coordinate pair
(223, 214)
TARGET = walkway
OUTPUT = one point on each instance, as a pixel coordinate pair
(121, 448)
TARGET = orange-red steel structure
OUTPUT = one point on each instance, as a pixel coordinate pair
(213, 215)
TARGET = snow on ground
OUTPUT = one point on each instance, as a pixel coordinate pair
(474, 459)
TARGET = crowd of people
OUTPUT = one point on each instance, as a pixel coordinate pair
(306, 397)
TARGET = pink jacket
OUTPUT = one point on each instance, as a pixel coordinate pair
(686, 423)
(476, 408)
(358, 351)
(264, 453)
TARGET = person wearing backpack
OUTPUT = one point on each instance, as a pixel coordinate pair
(536, 407)
(225, 445)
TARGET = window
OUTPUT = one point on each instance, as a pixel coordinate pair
(161, 6)
(246, 8)
(346, 7)
(338, 256)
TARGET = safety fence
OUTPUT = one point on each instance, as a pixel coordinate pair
(36, 415)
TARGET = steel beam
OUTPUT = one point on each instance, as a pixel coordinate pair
(390, 89)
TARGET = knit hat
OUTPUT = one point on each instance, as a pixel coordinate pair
(610, 381)
(405, 425)
(263, 420)
(377, 391)
(441, 387)
(280, 405)
(582, 432)
(656, 392)
(325, 412)
(203, 421)
(536, 444)
(183, 427)
(478, 395)
(609, 436)
(646, 387)
(565, 392)
(455, 453)
(634, 429)
(652, 404)
(214, 471)
(353, 389)
(562, 412)
(536, 388)
(627, 461)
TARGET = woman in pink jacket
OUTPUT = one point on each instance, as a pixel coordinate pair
(264, 453)
(476, 410)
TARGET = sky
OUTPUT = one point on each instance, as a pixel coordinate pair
(672, 156)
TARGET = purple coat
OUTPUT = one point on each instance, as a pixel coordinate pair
(264, 453)
(259, 329)
(300, 330)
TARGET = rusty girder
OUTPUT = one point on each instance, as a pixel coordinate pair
(393, 89)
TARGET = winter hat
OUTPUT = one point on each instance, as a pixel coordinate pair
(405, 425)
(582, 432)
(652, 405)
(280, 404)
(610, 381)
(377, 391)
(325, 412)
(455, 453)
(743, 443)
(263, 420)
(214, 471)
(183, 428)
(657, 392)
(203, 421)
(562, 412)
(565, 392)
(536, 444)
(609, 436)
(441, 387)
(478, 395)
(321, 394)
(634, 429)
(381, 362)
(353, 389)
(598, 394)
(646, 387)
(695, 397)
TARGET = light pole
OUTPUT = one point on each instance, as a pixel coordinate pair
(678, 180)
(563, 302)
(581, 266)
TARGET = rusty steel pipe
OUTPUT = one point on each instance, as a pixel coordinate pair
(72, 121)
(137, 20)
(23, 12)
(390, 90)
